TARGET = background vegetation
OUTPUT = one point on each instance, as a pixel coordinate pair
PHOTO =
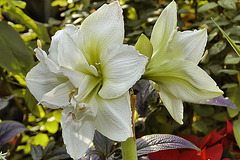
(36, 129)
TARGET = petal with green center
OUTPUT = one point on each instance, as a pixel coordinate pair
(102, 28)
(113, 118)
(59, 95)
(70, 56)
(185, 81)
(77, 135)
(162, 31)
(121, 67)
(40, 80)
(189, 45)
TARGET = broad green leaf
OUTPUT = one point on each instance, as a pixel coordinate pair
(227, 4)
(228, 71)
(217, 48)
(236, 131)
(231, 59)
(14, 54)
(144, 46)
(207, 6)
(31, 102)
(233, 95)
(229, 85)
(237, 18)
(234, 46)
(41, 139)
(232, 112)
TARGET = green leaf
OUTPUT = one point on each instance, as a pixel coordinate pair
(232, 112)
(19, 4)
(227, 4)
(41, 139)
(228, 71)
(233, 95)
(231, 59)
(207, 6)
(51, 127)
(234, 46)
(229, 85)
(217, 48)
(31, 102)
(14, 54)
(26, 20)
(236, 131)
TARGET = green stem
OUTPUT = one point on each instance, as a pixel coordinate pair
(129, 149)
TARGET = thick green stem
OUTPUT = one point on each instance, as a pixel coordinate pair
(129, 149)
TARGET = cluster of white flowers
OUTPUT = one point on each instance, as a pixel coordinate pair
(89, 71)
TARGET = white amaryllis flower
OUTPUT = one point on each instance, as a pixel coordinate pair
(173, 64)
(88, 73)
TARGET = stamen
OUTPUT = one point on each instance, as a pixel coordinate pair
(71, 95)
(39, 44)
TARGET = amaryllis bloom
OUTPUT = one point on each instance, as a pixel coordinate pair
(88, 73)
(172, 68)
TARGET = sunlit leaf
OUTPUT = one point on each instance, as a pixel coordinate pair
(207, 6)
(155, 142)
(41, 139)
(233, 94)
(236, 131)
(52, 126)
(26, 20)
(14, 54)
(9, 129)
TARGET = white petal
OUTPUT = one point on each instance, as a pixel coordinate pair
(173, 105)
(42, 56)
(88, 86)
(113, 119)
(163, 29)
(121, 66)
(185, 80)
(77, 135)
(74, 76)
(59, 95)
(70, 56)
(101, 29)
(189, 45)
(40, 80)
